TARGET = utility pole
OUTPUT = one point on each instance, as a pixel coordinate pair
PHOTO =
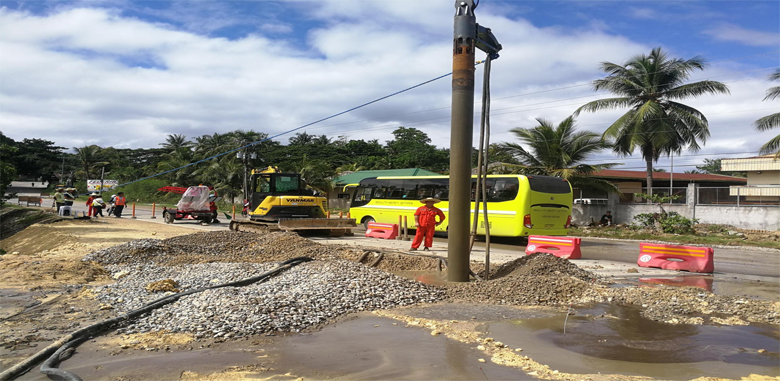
(461, 131)
(467, 36)
(102, 172)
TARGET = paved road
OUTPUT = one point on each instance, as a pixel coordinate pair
(731, 261)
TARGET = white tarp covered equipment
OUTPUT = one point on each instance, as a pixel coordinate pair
(194, 199)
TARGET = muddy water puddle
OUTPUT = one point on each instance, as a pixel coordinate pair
(729, 286)
(373, 348)
(613, 339)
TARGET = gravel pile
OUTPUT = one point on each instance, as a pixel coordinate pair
(219, 246)
(314, 293)
(540, 264)
(302, 297)
(537, 279)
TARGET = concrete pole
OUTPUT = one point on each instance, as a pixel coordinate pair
(462, 129)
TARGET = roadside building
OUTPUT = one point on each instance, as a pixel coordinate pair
(763, 178)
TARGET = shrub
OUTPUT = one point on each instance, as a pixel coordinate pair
(672, 222)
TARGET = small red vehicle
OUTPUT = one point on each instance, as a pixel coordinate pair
(197, 204)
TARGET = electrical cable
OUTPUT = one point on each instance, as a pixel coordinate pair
(55, 350)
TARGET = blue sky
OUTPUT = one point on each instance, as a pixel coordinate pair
(128, 73)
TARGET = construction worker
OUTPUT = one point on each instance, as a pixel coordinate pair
(91, 198)
(97, 205)
(425, 222)
(119, 204)
(59, 198)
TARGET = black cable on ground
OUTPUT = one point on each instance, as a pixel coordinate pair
(72, 340)
(377, 260)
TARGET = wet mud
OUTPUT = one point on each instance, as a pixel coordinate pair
(618, 340)
(374, 348)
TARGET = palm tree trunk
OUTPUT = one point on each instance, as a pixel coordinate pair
(649, 160)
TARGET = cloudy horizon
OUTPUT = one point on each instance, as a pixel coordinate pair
(127, 74)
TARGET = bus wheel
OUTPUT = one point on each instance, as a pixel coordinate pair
(367, 221)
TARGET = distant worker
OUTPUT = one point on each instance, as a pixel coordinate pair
(97, 205)
(119, 204)
(425, 222)
(59, 198)
(89, 204)
(606, 220)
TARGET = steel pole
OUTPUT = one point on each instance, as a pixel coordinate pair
(462, 129)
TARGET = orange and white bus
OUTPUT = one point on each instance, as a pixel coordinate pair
(518, 205)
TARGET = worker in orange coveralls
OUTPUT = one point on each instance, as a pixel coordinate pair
(425, 222)
(89, 204)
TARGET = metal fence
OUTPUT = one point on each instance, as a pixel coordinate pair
(630, 196)
(739, 196)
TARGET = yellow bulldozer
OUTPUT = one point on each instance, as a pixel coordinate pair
(284, 201)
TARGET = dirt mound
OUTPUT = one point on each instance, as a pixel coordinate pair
(234, 247)
(14, 220)
(540, 264)
(36, 239)
(537, 279)
(21, 271)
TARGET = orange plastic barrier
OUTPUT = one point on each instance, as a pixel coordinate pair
(672, 257)
(385, 231)
(563, 247)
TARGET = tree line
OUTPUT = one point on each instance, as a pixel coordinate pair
(650, 86)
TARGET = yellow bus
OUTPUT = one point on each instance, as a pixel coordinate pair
(518, 205)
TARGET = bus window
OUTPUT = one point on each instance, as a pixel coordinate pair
(379, 192)
(546, 184)
(504, 190)
(362, 196)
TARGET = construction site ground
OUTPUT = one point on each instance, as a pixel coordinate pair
(45, 292)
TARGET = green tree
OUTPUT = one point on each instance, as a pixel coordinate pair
(7, 168)
(558, 151)
(315, 173)
(88, 157)
(176, 141)
(771, 121)
(656, 123)
(38, 158)
(712, 166)
(412, 148)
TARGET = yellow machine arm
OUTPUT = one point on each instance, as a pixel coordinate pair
(269, 169)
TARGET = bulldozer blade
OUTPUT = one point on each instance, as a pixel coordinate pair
(317, 223)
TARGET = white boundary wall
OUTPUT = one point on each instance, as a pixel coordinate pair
(744, 217)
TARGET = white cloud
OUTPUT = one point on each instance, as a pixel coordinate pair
(735, 33)
(91, 76)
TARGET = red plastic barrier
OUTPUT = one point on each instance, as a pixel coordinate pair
(385, 231)
(563, 247)
(672, 257)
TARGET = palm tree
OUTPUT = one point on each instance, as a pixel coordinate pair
(88, 157)
(315, 173)
(558, 151)
(176, 141)
(771, 121)
(656, 124)
(349, 168)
